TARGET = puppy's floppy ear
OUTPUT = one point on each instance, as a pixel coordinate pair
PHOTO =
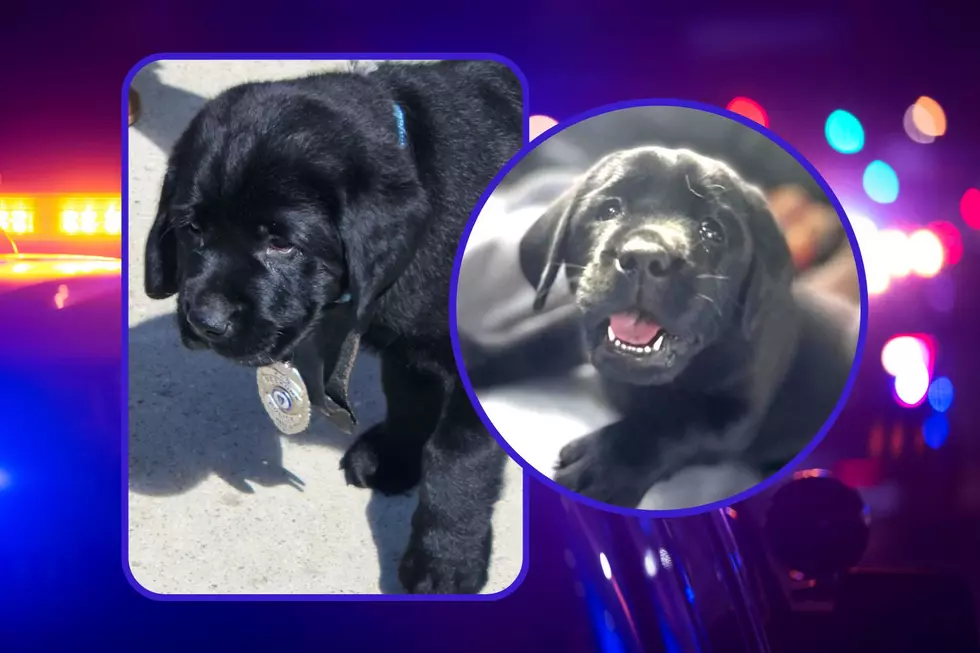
(544, 246)
(381, 230)
(160, 277)
(771, 268)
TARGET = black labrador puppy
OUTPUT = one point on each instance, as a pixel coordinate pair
(684, 287)
(283, 199)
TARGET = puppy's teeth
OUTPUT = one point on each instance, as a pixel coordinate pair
(648, 349)
(618, 343)
(658, 343)
(610, 334)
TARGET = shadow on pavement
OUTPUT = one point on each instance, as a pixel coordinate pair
(193, 414)
(390, 519)
(165, 110)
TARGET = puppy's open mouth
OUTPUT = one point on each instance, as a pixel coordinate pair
(636, 335)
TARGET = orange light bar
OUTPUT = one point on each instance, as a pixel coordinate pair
(17, 215)
(61, 267)
(86, 217)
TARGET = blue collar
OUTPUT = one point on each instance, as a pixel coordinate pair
(403, 142)
(400, 123)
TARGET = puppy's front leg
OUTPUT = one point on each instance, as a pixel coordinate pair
(660, 436)
(462, 477)
(388, 456)
(616, 465)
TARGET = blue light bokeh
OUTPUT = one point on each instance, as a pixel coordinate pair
(844, 132)
(935, 430)
(941, 394)
(880, 182)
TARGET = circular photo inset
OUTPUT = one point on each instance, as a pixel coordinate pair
(658, 307)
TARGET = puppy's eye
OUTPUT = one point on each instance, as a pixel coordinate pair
(194, 228)
(277, 245)
(710, 229)
(609, 209)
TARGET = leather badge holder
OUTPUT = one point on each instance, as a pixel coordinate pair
(318, 375)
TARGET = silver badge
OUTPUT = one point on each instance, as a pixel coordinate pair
(284, 397)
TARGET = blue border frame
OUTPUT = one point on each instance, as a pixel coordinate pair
(291, 56)
(858, 353)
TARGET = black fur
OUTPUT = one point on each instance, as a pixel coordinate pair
(719, 284)
(281, 196)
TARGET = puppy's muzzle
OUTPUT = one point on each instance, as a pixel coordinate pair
(213, 318)
(644, 256)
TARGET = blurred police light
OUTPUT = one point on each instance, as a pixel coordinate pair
(905, 353)
(17, 215)
(89, 217)
(911, 386)
(927, 253)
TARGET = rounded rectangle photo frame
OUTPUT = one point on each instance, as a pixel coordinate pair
(192, 468)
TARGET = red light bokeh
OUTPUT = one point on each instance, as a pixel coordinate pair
(950, 237)
(750, 109)
(970, 208)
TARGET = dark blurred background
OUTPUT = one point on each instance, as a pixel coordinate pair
(61, 124)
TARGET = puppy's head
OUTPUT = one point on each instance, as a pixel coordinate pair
(668, 253)
(276, 207)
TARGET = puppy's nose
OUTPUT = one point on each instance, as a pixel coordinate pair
(641, 257)
(213, 318)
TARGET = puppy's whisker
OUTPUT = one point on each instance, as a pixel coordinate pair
(713, 303)
(711, 276)
(688, 180)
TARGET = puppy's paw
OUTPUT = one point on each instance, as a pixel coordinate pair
(382, 463)
(578, 467)
(575, 451)
(585, 467)
(440, 562)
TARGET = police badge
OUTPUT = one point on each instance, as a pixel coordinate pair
(284, 397)
(317, 375)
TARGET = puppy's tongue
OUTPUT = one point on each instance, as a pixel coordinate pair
(633, 330)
